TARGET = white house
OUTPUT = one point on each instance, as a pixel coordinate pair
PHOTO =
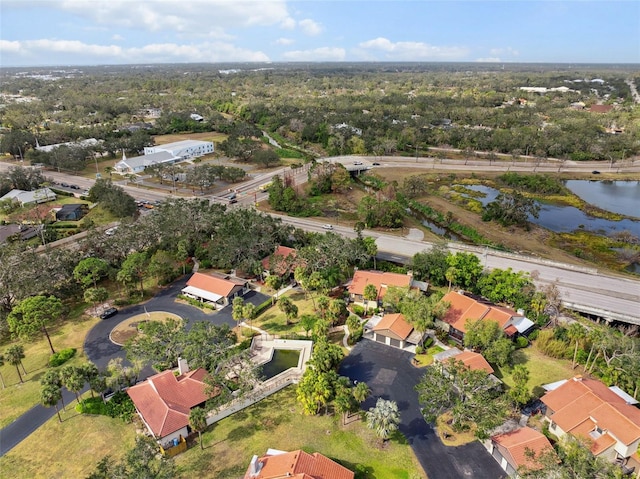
(184, 149)
(41, 195)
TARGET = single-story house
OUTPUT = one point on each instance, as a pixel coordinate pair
(298, 464)
(382, 280)
(604, 416)
(465, 307)
(14, 231)
(281, 263)
(214, 288)
(72, 212)
(41, 195)
(164, 401)
(71, 144)
(513, 450)
(394, 330)
(473, 360)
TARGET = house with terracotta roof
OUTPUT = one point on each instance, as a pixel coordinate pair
(518, 449)
(382, 280)
(393, 330)
(472, 360)
(281, 263)
(603, 416)
(463, 307)
(165, 400)
(218, 290)
(298, 464)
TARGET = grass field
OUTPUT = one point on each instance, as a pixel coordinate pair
(542, 369)
(206, 136)
(276, 422)
(68, 449)
(18, 397)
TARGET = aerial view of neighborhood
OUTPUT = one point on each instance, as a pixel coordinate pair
(257, 258)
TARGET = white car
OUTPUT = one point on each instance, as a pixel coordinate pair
(357, 162)
(111, 231)
(327, 226)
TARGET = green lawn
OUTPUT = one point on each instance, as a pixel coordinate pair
(277, 422)
(68, 449)
(542, 369)
(427, 358)
(275, 322)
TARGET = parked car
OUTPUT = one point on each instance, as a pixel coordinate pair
(111, 231)
(357, 162)
(595, 172)
(109, 312)
(327, 226)
(375, 163)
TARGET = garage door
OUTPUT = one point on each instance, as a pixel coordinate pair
(380, 338)
(394, 342)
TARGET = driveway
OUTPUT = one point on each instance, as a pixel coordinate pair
(100, 350)
(390, 375)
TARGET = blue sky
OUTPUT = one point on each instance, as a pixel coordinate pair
(89, 32)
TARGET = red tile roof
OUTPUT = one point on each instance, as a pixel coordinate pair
(381, 280)
(582, 399)
(463, 307)
(394, 326)
(219, 285)
(301, 465)
(473, 361)
(514, 446)
(165, 400)
(281, 261)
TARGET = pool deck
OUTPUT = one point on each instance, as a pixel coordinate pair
(263, 346)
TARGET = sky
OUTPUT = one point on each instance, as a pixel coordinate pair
(97, 32)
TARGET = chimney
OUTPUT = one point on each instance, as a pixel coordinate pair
(578, 377)
(254, 466)
(183, 366)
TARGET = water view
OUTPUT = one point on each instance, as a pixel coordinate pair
(618, 196)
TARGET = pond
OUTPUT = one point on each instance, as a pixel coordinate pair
(565, 219)
(281, 360)
(618, 196)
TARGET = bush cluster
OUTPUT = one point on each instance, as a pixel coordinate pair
(61, 357)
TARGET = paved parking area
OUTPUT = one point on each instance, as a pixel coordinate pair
(389, 374)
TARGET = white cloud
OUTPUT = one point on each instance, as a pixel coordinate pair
(196, 16)
(488, 60)
(152, 53)
(284, 41)
(508, 51)
(117, 38)
(288, 24)
(317, 54)
(310, 27)
(412, 51)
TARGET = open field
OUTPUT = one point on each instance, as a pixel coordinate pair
(276, 422)
(206, 136)
(128, 329)
(68, 449)
(18, 397)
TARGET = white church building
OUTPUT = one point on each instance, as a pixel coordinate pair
(169, 153)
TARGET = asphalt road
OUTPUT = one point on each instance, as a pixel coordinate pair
(390, 375)
(100, 350)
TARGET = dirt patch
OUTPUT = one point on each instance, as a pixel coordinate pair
(128, 329)
(206, 136)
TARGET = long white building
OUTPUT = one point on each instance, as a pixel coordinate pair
(169, 153)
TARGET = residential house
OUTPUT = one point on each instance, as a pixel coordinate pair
(519, 448)
(78, 144)
(281, 263)
(298, 464)
(393, 330)
(216, 289)
(472, 360)
(18, 232)
(41, 195)
(382, 282)
(604, 416)
(71, 212)
(465, 307)
(164, 401)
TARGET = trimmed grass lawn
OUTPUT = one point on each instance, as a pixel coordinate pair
(542, 369)
(17, 397)
(277, 422)
(68, 449)
(275, 322)
(427, 358)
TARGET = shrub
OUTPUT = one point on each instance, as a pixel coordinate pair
(357, 309)
(355, 335)
(61, 357)
(442, 335)
(428, 342)
(534, 335)
(419, 350)
(94, 405)
(261, 308)
(120, 405)
(522, 342)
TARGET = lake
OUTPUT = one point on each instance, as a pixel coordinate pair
(617, 196)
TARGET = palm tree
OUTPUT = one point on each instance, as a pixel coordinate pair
(384, 418)
(198, 422)
(52, 378)
(361, 392)
(344, 402)
(15, 355)
(576, 333)
(450, 275)
(237, 311)
(49, 396)
(370, 293)
(2, 364)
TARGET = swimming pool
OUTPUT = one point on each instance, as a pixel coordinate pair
(281, 360)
